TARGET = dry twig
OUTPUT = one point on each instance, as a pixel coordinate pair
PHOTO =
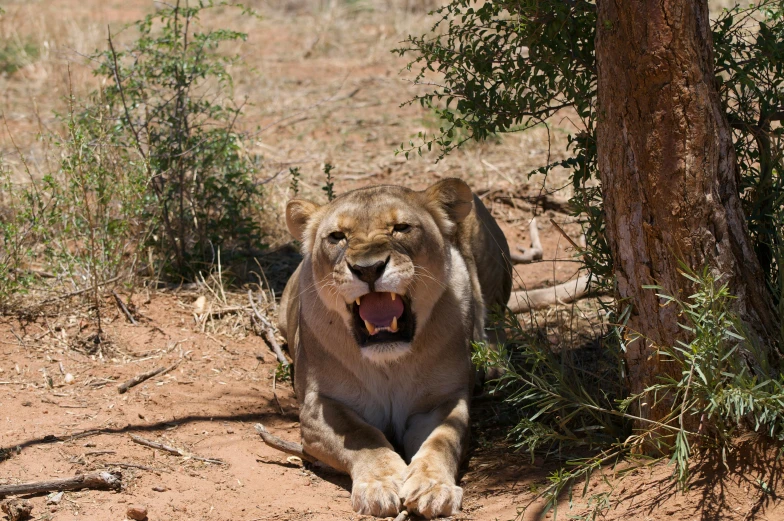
(269, 332)
(173, 450)
(123, 307)
(136, 380)
(80, 291)
(95, 480)
(134, 466)
(289, 447)
(565, 236)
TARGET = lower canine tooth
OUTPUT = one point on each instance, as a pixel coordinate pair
(393, 326)
(370, 327)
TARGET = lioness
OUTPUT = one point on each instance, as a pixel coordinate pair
(379, 316)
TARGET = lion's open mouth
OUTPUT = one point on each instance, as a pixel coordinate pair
(382, 317)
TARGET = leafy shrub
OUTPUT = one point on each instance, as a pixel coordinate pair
(567, 401)
(152, 164)
(718, 391)
(95, 224)
(171, 95)
(15, 55)
(16, 228)
(85, 219)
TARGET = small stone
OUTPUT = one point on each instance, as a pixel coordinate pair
(159, 489)
(137, 512)
(17, 509)
(69, 378)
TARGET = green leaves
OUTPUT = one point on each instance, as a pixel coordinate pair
(171, 93)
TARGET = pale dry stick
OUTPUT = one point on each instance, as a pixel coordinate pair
(99, 452)
(95, 480)
(289, 447)
(523, 301)
(535, 252)
(173, 450)
(123, 308)
(136, 380)
(269, 332)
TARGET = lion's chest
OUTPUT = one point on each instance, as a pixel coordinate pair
(386, 403)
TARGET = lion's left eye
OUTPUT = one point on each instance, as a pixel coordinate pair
(336, 237)
(401, 227)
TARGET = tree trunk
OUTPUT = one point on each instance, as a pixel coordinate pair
(669, 173)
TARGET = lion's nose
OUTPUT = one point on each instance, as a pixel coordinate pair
(369, 273)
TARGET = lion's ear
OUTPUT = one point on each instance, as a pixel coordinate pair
(298, 213)
(453, 196)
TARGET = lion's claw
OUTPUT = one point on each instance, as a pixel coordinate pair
(431, 497)
(376, 497)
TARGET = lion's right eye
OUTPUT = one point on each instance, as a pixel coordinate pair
(336, 237)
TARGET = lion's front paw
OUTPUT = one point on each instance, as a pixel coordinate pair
(431, 494)
(376, 496)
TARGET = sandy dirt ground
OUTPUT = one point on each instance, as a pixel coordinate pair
(207, 405)
(322, 86)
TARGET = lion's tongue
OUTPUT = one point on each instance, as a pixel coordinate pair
(379, 309)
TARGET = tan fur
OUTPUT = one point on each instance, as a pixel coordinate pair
(395, 417)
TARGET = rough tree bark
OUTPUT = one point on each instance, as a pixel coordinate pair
(669, 172)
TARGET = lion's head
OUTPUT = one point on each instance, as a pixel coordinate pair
(382, 257)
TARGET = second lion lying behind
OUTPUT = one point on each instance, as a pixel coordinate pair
(379, 316)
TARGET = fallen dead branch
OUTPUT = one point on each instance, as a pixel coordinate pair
(173, 450)
(96, 480)
(269, 332)
(136, 380)
(289, 447)
(123, 308)
(535, 252)
(522, 301)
